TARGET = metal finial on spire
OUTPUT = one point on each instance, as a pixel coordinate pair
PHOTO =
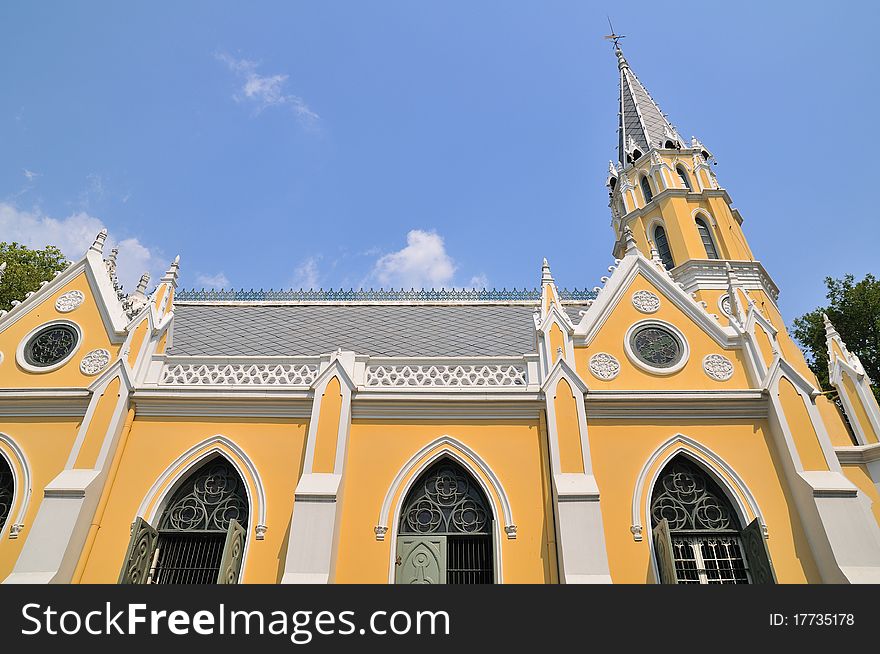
(171, 274)
(614, 36)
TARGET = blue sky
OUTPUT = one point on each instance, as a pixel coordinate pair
(424, 143)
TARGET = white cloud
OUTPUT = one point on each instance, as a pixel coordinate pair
(479, 282)
(30, 175)
(264, 91)
(422, 263)
(306, 274)
(73, 235)
(218, 280)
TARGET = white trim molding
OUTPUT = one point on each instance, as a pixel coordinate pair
(21, 479)
(706, 459)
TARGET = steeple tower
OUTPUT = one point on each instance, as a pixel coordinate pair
(641, 123)
(664, 190)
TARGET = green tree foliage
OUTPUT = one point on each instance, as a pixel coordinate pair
(854, 310)
(25, 269)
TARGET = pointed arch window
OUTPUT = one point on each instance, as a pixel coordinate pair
(7, 491)
(698, 537)
(646, 189)
(201, 534)
(683, 176)
(663, 250)
(706, 237)
(445, 529)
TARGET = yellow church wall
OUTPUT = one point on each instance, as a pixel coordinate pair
(571, 458)
(692, 376)
(328, 428)
(802, 430)
(833, 421)
(46, 443)
(557, 342)
(274, 445)
(377, 451)
(861, 415)
(765, 345)
(137, 341)
(94, 336)
(97, 430)
(621, 449)
(859, 475)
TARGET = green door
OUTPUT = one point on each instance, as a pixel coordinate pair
(421, 559)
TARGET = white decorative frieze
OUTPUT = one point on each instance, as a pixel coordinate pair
(94, 362)
(231, 374)
(646, 301)
(69, 301)
(443, 375)
(604, 366)
(718, 367)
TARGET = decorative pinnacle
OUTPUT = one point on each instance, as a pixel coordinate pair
(830, 331)
(546, 277)
(171, 274)
(621, 60)
(142, 284)
(98, 245)
(2, 270)
(630, 240)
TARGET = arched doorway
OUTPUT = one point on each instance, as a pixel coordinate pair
(698, 535)
(445, 529)
(201, 532)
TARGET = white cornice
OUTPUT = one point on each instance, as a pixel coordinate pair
(858, 454)
(396, 409)
(677, 405)
(235, 404)
(699, 274)
(54, 402)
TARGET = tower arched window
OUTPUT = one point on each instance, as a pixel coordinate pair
(201, 533)
(706, 237)
(663, 250)
(698, 536)
(646, 190)
(7, 491)
(683, 176)
(445, 529)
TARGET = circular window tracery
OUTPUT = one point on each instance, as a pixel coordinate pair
(656, 346)
(51, 345)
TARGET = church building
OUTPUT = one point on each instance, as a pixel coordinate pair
(662, 427)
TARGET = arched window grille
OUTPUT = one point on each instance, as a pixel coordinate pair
(697, 534)
(683, 176)
(445, 529)
(201, 533)
(706, 237)
(7, 491)
(663, 250)
(646, 190)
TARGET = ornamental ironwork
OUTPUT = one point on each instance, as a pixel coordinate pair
(51, 345)
(379, 295)
(656, 346)
(209, 501)
(688, 500)
(445, 500)
(7, 491)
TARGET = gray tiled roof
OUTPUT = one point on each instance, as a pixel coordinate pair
(376, 330)
(641, 118)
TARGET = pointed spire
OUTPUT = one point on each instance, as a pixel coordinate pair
(641, 123)
(546, 277)
(142, 284)
(98, 245)
(170, 276)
